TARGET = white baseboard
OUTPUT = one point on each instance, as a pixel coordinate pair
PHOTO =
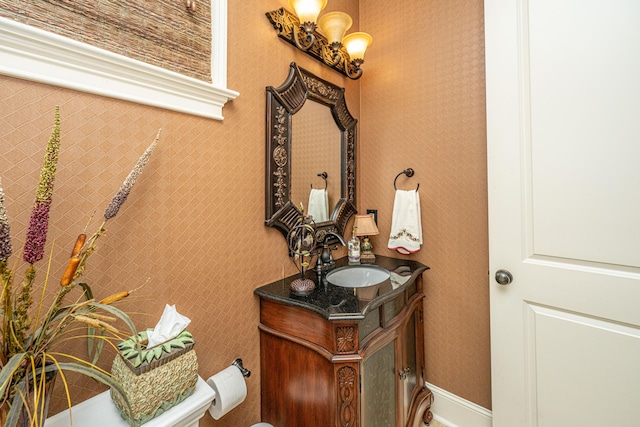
(455, 411)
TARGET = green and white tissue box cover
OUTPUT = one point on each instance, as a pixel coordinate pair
(154, 379)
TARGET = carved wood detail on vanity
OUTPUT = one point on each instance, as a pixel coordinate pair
(362, 366)
(345, 339)
(347, 401)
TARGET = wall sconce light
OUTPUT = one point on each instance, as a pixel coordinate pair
(330, 46)
(307, 12)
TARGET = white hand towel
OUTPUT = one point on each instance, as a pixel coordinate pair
(406, 223)
(399, 276)
(318, 206)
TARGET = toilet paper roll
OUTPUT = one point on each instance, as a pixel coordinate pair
(230, 388)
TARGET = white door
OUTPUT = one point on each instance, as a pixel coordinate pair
(563, 126)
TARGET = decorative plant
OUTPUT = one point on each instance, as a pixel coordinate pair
(30, 332)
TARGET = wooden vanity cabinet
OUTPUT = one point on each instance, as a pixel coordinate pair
(365, 371)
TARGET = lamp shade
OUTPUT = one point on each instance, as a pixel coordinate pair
(357, 44)
(307, 10)
(334, 25)
(365, 225)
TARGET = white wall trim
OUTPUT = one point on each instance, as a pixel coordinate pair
(455, 411)
(219, 42)
(29, 53)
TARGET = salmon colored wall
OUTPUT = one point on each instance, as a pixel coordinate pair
(194, 221)
(423, 98)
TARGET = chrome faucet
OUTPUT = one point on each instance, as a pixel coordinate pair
(325, 259)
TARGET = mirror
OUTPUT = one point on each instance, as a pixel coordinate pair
(315, 158)
(311, 145)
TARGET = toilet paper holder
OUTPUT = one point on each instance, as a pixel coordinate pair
(243, 371)
(238, 364)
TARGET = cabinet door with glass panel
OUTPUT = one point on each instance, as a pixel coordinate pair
(392, 374)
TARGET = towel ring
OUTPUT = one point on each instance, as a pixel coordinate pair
(324, 176)
(409, 172)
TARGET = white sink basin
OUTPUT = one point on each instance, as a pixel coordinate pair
(357, 276)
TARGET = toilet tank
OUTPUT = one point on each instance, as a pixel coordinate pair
(99, 411)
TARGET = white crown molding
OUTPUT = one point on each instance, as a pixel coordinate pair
(30, 53)
(454, 411)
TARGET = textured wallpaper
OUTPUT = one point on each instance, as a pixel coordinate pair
(423, 106)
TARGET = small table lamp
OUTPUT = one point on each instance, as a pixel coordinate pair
(366, 226)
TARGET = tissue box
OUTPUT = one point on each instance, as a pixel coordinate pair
(154, 379)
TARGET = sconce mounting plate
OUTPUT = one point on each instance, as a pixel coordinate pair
(285, 23)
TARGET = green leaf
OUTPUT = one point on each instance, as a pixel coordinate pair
(129, 354)
(98, 348)
(157, 352)
(16, 406)
(88, 294)
(138, 360)
(6, 375)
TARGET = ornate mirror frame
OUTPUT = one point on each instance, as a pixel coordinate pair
(282, 103)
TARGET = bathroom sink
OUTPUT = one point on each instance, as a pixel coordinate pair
(357, 276)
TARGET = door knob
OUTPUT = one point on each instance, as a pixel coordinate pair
(504, 277)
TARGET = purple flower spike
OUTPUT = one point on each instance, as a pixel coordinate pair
(122, 194)
(39, 221)
(37, 233)
(5, 231)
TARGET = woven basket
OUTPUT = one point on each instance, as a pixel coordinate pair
(154, 387)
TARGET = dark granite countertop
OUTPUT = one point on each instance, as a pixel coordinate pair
(337, 302)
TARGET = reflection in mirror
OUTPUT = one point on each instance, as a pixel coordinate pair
(316, 151)
(309, 132)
